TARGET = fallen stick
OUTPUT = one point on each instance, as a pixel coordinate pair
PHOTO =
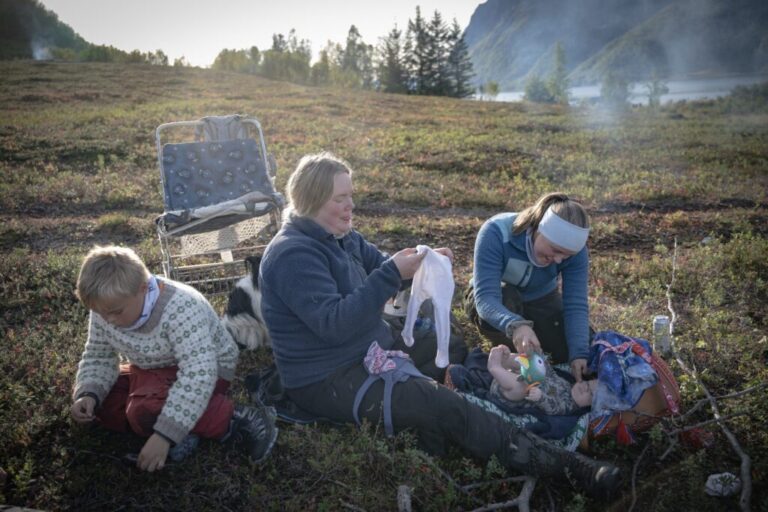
(746, 462)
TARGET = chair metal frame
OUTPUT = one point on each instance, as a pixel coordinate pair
(214, 260)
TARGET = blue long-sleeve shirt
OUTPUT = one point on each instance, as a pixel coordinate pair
(322, 299)
(501, 256)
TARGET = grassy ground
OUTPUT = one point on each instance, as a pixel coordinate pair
(77, 167)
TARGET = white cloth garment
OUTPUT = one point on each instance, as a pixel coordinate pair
(150, 299)
(433, 279)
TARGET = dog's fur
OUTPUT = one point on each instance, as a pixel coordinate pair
(243, 317)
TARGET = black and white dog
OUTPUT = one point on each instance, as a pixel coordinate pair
(243, 316)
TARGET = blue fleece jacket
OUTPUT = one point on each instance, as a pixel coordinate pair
(322, 299)
(501, 256)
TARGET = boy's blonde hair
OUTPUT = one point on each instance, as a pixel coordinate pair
(311, 184)
(110, 272)
(563, 206)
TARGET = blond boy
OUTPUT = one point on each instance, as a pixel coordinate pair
(177, 362)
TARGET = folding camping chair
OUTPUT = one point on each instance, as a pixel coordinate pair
(220, 202)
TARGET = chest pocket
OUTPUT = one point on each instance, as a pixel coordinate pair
(517, 273)
(357, 263)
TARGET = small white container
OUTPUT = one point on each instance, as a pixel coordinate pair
(662, 342)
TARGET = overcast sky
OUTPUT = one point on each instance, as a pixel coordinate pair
(199, 29)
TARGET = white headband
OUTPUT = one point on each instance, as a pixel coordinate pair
(561, 232)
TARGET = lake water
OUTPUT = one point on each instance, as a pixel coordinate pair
(678, 90)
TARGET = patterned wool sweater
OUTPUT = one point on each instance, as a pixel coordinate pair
(183, 330)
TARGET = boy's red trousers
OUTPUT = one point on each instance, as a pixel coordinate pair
(137, 398)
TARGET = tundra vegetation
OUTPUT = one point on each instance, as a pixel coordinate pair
(78, 168)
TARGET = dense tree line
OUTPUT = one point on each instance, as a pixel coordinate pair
(30, 31)
(104, 53)
(430, 58)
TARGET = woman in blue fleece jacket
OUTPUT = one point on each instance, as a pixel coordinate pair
(514, 295)
(323, 291)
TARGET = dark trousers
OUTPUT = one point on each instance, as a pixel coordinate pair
(546, 313)
(439, 416)
(137, 398)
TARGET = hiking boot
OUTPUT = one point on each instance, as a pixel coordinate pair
(600, 479)
(254, 428)
(533, 456)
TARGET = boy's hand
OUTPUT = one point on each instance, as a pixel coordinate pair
(82, 409)
(153, 454)
(534, 394)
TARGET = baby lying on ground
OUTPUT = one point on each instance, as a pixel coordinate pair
(554, 396)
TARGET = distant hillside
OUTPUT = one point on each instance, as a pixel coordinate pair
(511, 39)
(689, 38)
(29, 30)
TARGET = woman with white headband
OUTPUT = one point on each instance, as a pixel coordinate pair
(514, 295)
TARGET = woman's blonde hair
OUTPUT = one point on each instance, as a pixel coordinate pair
(565, 208)
(110, 272)
(311, 184)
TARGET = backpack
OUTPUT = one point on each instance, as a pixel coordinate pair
(660, 400)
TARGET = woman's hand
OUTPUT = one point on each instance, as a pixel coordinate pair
(153, 454)
(445, 252)
(578, 369)
(525, 340)
(407, 262)
(82, 409)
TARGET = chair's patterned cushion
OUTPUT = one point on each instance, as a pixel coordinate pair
(204, 173)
